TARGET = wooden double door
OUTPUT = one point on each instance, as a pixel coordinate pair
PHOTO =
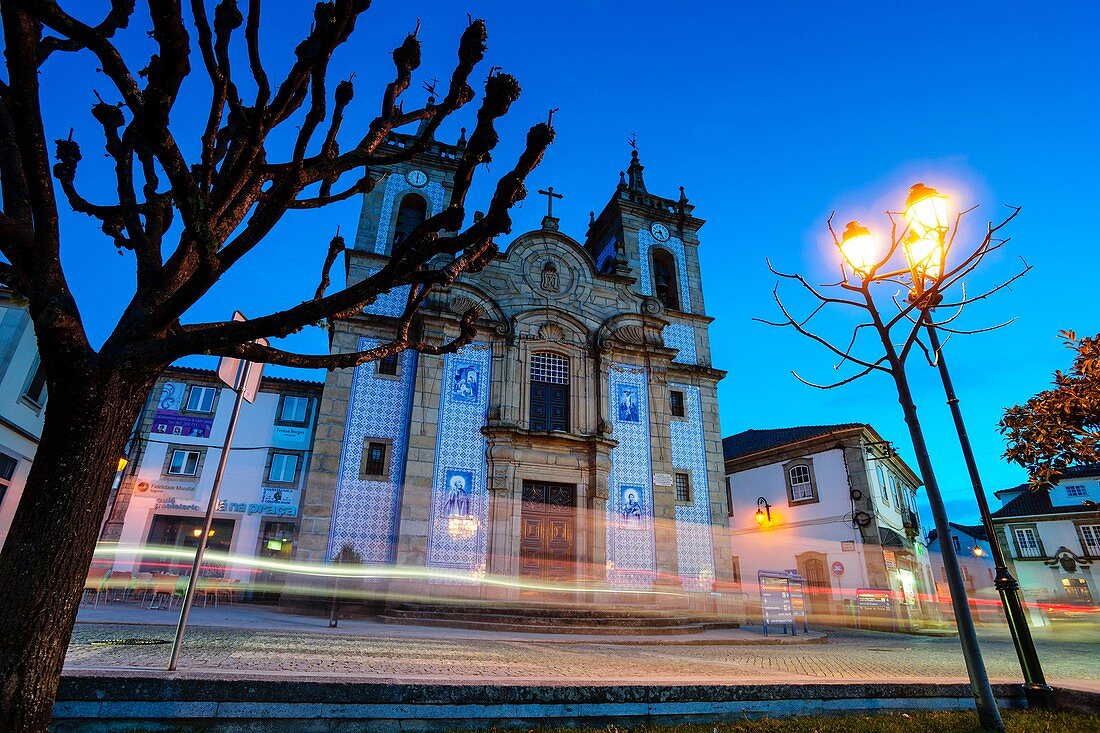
(548, 528)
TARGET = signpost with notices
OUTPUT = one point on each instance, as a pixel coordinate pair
(874, 603)
(797, 586)
(776, 608)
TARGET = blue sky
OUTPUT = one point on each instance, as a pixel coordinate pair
(771, 114)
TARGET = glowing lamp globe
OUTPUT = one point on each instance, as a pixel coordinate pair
(759, 516)
(859, 247)
(925, 254)
(926, 210)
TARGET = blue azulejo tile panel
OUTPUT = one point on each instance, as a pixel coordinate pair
(681, 336)
(390, 303)
(366, 512)
(459, 520)
(675, 245)
(397, 187)
(694, 547)
(631, 558)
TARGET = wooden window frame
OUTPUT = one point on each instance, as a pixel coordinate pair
(187, 400)
(387, 460)
(293, 483)
(294, 423)
(1038, 540)
(815, 496)
(170, 453)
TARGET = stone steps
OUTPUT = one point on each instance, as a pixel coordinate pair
(550, 619)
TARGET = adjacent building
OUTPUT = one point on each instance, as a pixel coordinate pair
(836, 505)
(1053, 537)
(971, 545)
(574, 443)
(22, 403)
(161, 497)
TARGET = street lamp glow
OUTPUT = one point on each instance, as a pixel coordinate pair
(925, 255)
(926, 210)
(859, 247)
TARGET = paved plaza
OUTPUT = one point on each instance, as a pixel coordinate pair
(238, 641)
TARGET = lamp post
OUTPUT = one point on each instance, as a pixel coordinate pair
(926, 212)
(859, 248)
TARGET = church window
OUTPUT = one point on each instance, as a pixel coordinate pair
(676, 403)
(664, 279)
(375, 458)
(388, 365)
(683, 487)
(549, 391)
(410, 214)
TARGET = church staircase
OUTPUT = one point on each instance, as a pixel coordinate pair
(551, 619)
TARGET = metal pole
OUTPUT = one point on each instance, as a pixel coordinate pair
(208, 520)
(988, 714)
(1038, 693)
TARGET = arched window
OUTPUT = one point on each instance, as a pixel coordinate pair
(549, 391)
(801, 486)
(410, 215)
(664, 279)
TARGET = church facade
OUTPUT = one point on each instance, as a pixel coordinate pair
(573, 445)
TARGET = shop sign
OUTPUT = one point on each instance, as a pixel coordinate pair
(283, 497)
(250, 508)
(160, 487)
(167, 419)
(170, 503)
(891, 559)
(288, 436)
(838, 568)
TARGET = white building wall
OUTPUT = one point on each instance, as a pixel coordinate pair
(20, 420)
(242, 497)
(819, 527)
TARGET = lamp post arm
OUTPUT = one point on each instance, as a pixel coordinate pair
(1036, 689)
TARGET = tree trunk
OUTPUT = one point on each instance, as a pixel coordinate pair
(49, 548)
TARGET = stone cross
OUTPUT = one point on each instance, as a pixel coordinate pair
(550, 196)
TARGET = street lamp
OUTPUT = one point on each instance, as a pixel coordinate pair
(922, 239)
(926, 212)
(763, 506)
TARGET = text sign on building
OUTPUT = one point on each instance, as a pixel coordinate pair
(891, 559)
(662, 479)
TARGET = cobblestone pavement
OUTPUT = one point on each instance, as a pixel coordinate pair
(444, 656)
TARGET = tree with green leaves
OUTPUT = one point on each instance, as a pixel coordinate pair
(1059, 427)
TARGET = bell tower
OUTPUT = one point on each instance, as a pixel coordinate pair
(408, 193)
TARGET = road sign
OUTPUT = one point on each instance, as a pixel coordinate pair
(229, 370)
(838, 568)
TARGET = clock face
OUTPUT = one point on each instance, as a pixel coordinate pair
(416, 177)
(659, 232)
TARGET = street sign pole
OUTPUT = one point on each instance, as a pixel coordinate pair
(243, 377)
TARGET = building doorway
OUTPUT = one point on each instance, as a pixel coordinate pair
(548, 524)
(813, 567)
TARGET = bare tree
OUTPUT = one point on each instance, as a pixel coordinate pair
(919, 289)
(216, 208)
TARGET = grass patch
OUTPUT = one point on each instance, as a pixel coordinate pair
(1016, 721)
